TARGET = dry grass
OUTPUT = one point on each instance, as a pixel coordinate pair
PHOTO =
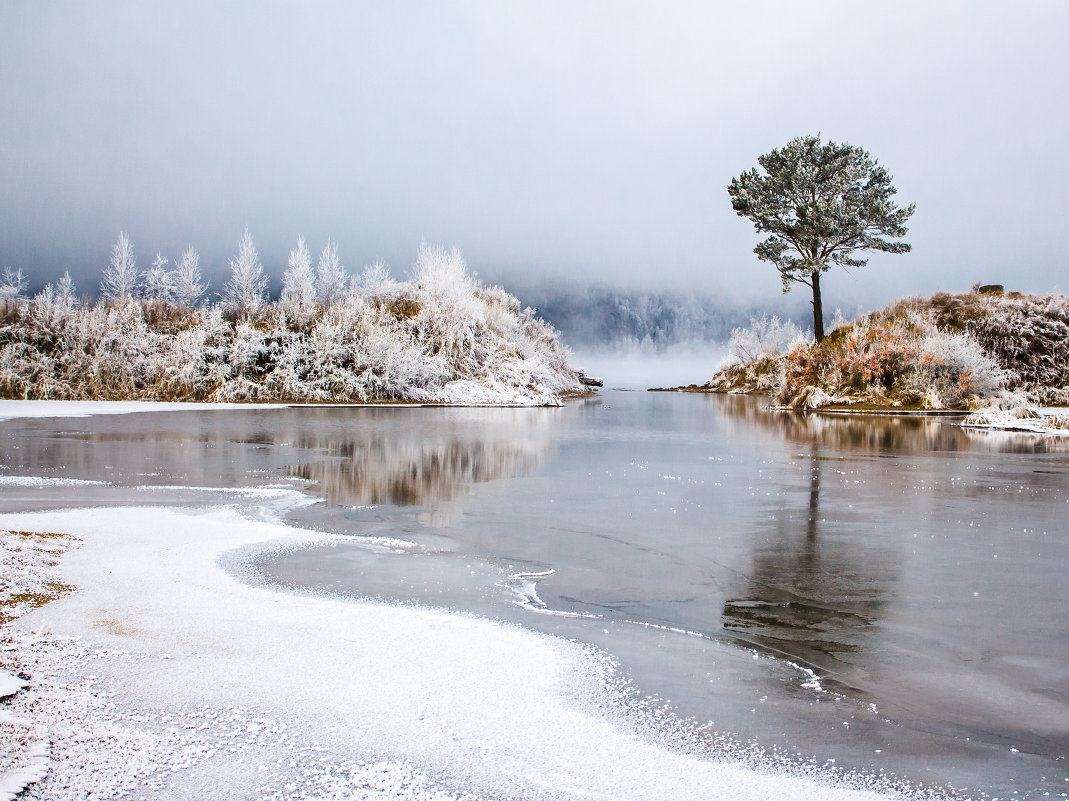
(27, 559)
(945, 352)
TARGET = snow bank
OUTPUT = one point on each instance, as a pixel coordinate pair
(1025, 418)
(13, 409)
(197, 680)
(9, 685)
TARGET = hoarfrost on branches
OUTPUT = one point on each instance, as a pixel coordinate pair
(11, 286)
(158, 281)
(331, 277)
(299, 284)
(66, 294)
(121, 276)
(441, 337)
(375, 280)
(186, 281)
(246, 288)
(766, 335)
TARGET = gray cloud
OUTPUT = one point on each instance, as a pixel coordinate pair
(557, 139)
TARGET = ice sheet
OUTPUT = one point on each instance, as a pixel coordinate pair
(475, 704)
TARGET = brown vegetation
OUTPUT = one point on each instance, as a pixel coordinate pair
(950, 351)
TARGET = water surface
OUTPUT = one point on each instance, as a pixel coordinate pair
(887, 593)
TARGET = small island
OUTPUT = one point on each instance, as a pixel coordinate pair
(995, 353)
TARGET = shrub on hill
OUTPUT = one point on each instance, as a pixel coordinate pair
(948, 351)
(441, 337)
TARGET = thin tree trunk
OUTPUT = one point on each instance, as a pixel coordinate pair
(818, 309)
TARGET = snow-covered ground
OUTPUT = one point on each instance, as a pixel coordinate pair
(165, 676)
(1050, 421)
(13, 409)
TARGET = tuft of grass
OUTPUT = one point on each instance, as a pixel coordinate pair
(14, 606)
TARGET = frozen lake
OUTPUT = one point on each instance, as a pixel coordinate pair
(881, 594)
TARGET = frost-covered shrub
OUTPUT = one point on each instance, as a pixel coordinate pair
(442, 338)
(948, 351)
(766, 335)
(121, 277)
(374, 281)
(298, 300)
(186, 282)
(12, 287)
(955, 368)
(245, 291)
(332, 279)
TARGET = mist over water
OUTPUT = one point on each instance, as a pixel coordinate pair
(641, 367)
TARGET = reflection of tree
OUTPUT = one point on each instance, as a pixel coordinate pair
(907, 433)
(402, 456)
(806, 596)
(415, 470)
(422, 457)
(816, 588)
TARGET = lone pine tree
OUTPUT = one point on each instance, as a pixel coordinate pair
(820, 203)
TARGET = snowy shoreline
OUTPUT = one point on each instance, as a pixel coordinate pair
(20, 409)
(217, 683)
(1053, 422)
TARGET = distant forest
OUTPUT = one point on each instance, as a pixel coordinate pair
(598, 314)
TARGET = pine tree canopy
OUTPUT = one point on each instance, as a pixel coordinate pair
(820, 204)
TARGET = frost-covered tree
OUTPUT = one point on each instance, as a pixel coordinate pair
(186, 282)
(765, 335)
(299, 281)
(245, 289)
(331, 277)
(12, 286)
(157, 281)
(375, 280)
(121, 275)
(66, 294)
(819, 203)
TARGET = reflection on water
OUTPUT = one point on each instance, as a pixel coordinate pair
(424, 457)
(878, 432)
(805, 597)
(419, 466)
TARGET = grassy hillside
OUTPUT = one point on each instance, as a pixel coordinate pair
(949, 351)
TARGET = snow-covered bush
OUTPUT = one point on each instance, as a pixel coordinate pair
(332, 279)
(948, 351)
(186, 282)
(375, 280)
(766, 335)
(12, 287)
(157, 282)
(121, 277)
(298, 298)
(439, 338)
(244, 292)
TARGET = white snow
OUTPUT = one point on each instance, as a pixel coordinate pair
(1050, 422)
(181, 677)
(12, 409)
(44, 481)
(9, 685)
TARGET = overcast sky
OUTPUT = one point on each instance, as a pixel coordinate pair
(589, 140)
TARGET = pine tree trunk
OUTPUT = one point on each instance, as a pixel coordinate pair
(818, 310)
